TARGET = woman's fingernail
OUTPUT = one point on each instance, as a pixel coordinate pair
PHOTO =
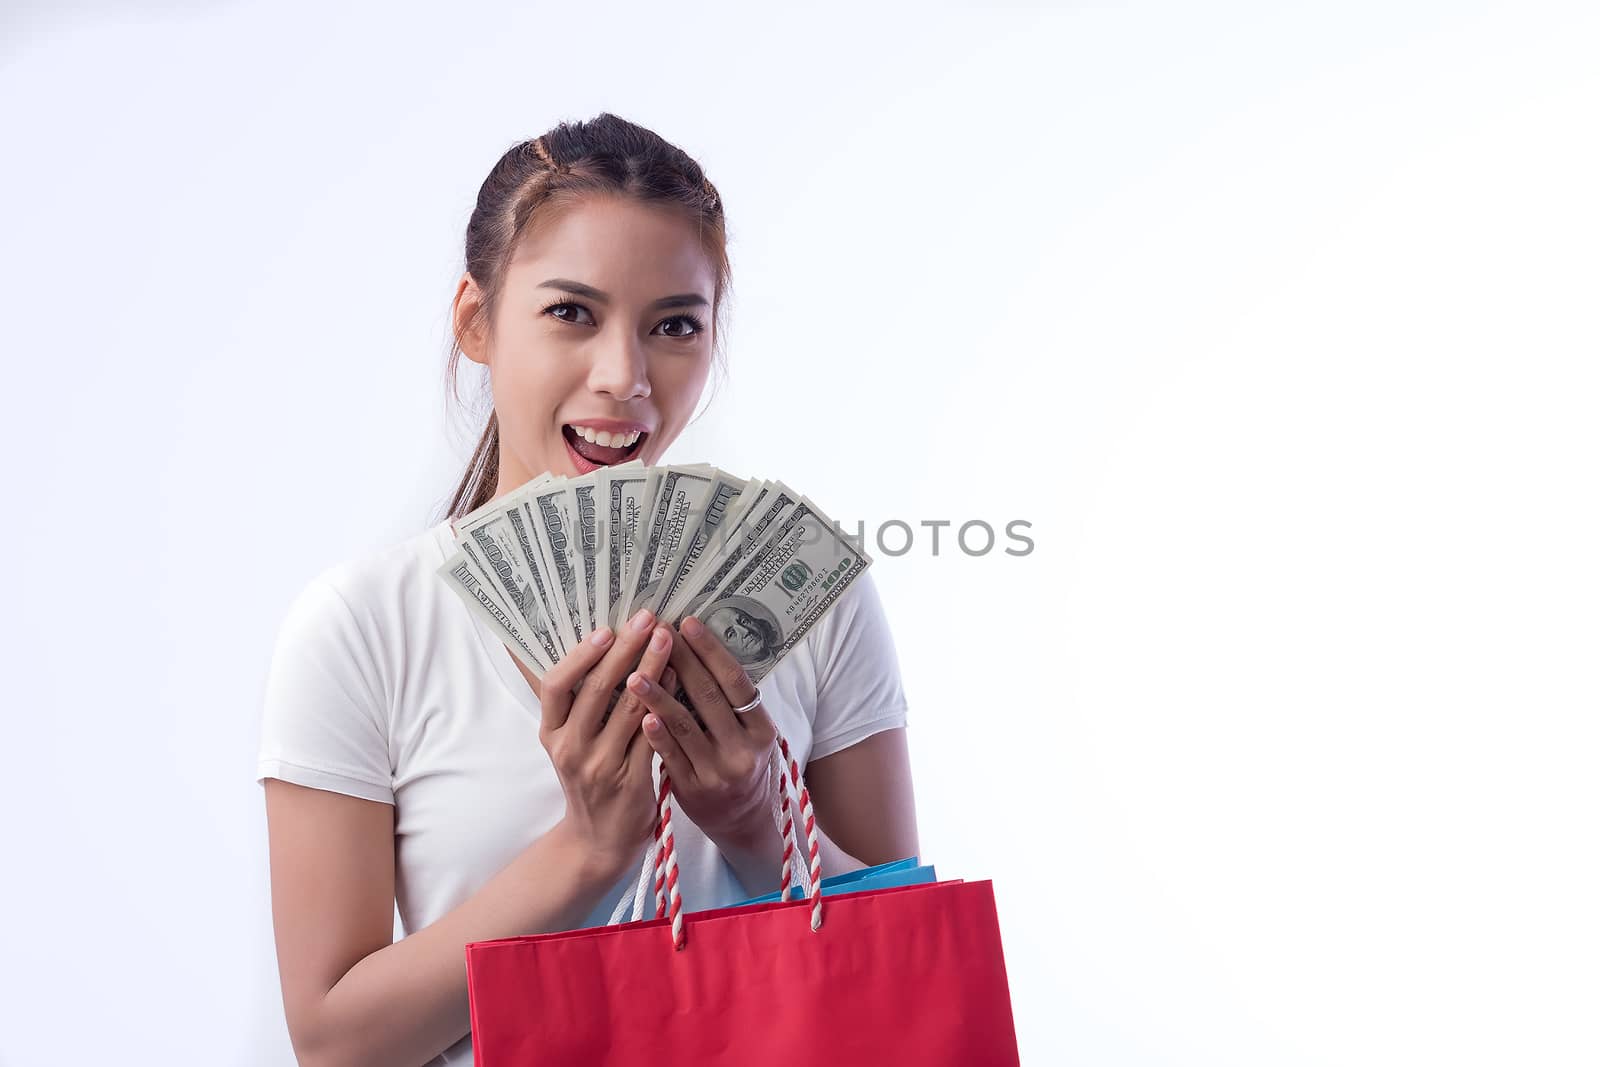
(638, 683)
(652, 723)
(641, 619)
(601, 637)
(691, 626)
(661, 640)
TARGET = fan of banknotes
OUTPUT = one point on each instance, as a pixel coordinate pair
(552, 561)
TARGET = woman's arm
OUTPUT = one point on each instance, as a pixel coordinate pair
(863, 795)
(354, 996)
(866, 815)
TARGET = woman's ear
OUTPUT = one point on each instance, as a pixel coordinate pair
(466, 319)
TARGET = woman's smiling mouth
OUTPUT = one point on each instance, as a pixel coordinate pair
(602, 443)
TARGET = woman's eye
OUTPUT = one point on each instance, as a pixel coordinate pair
(565, 304)
(687, 320)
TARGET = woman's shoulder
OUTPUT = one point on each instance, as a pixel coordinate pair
(337, 678)
(385, 582)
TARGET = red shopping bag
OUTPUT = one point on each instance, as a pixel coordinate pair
(909, 975)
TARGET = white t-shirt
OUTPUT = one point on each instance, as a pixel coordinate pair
(383, 685)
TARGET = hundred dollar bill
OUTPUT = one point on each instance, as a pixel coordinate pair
(679, 501)
(551, 509)
(474, 587)
(588, 537)
(769, 604)
(635, 531)
(725, 506)
(771, 502)
(622, 491)
(502, 547)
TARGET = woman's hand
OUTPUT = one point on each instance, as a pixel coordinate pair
(721, 774)
(603, 761)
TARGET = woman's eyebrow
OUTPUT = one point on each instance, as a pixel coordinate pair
(591, 293)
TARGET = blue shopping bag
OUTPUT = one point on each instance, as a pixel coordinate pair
(883, 876)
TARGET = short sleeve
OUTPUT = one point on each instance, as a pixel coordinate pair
(322, 724)
(859, 692)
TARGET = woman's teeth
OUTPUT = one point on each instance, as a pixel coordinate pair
(604, 438)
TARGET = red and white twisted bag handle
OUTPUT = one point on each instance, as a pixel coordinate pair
(662, 856)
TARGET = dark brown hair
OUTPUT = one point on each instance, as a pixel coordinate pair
(606, 156)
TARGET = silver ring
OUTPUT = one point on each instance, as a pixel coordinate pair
(750, 705)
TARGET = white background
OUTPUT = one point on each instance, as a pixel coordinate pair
(1276, 321)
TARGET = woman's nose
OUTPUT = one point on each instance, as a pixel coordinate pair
(620, 370)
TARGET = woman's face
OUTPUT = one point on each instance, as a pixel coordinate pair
(595, 359)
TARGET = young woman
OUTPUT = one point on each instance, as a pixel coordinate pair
(409, 758)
